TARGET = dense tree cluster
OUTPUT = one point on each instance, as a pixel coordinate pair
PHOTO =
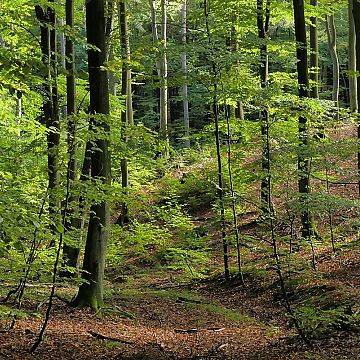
(122, 120)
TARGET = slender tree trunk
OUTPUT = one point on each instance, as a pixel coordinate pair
(303, 83)
(331, 35)
(239, 108)
(19, 108)
(184, 67)
(91, 290)
(62, 45)
(220, 185)
(161, 67)
(51, 108)
(70, 253)
(233, 197)
(126, 116)
(129, 95)
(263, 21)
(111, 74)
(54, 133)
(356, 14)
(352, 59)
(314, 54)
(62, 61)
(164, 100)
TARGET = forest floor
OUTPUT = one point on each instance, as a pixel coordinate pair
(154, 318)
(159, 315)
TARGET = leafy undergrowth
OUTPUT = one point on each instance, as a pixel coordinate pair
(166, 297)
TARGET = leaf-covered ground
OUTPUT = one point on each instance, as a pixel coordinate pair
(155, 318)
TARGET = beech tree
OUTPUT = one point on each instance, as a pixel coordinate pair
(331, 34)
(356, 14)
(352, 59)
(303, 83)
(184, 67)
(314, 54)
(47, 20)
(70, 253)
(91, 290)
(127, 117)
(263, 23)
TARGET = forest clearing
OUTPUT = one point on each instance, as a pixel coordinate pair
(179, 179)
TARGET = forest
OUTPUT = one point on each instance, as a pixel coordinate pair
(179, 179)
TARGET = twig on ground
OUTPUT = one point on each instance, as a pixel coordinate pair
(109, 338)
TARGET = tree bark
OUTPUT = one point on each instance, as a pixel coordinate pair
(356, 14)
(184, 67)
(303, 83)
(331, 36)
(51, 119)
(314, 55)
(162, 68)
(70, 253)
(220, 184)
(263, 22)
(91, 290)
(126, 116)
(164, 96)
(352, 59)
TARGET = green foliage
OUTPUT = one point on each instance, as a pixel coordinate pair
(321, 322)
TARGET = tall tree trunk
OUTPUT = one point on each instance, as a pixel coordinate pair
(62, 45)
(19, 108)
(126, 116)
(352, 59)
(239, 108)
(164, 96)
(51, 119)
(70, 253)
(314, 54)
(220, 184)
(184, 67)
(331, 35)
(91, 290)
(356, 14)
(263, 21)
(126, 59)
(303, 83)
(62, 54)
(54, 133)
(161, 67)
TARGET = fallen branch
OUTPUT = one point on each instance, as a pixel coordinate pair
(181, 299)
(108, 338)
(186, 331)
(193, 331)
